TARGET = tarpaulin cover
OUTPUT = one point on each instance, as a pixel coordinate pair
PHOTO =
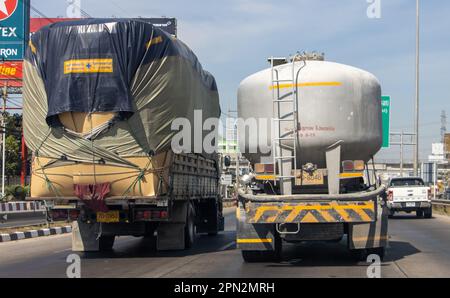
(146, 76)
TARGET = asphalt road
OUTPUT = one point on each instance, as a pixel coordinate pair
(22, 219)
(418, 248)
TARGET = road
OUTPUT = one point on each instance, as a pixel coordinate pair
(418, 248)
(22, 219)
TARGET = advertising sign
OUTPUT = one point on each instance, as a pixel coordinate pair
(14, 16)
(11, 73)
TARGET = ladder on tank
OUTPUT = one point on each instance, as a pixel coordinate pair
(284, 126)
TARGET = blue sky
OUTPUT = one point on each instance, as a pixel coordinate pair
(233, 38)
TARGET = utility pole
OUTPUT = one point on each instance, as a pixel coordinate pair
(443, 126)
(416, 148)
(5, 96)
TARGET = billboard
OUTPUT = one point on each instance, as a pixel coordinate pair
(11, 73)
(14, 19)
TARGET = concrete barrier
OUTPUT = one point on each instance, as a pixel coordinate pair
(34, 234)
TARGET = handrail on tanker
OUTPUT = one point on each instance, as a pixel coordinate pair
(360, 196)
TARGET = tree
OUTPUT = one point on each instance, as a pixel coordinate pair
(12, 157)
(13, 143)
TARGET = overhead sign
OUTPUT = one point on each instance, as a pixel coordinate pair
(386, 116)
(14, 22)
(11, 73)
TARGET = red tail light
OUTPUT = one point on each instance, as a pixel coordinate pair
(429, 194)
(143, 215)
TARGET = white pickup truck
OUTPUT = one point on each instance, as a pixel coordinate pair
(409, 195)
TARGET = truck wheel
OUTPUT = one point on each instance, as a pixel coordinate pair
(189, 230)
(106, 243)
(429, 213)
(419, 213)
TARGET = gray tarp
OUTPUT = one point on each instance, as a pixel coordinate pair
(159, 76)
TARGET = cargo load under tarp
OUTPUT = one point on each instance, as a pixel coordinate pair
(106, 92)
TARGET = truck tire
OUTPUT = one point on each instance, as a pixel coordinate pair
(106, 243)
(428, 213)
(189, 229)
(419, 213)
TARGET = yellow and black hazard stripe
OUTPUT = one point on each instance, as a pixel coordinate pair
(336, 212)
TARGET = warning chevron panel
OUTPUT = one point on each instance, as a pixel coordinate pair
(349, 212)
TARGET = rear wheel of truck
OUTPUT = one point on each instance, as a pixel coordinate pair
(106, 243)
(428, 213)
(419, 213)
(189, 230)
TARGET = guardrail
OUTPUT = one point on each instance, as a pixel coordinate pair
(22, 214)
(441, 207)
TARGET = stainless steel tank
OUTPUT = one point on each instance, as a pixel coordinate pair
(336, 103)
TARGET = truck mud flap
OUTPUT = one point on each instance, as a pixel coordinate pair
(370, 235)
(331, 212)
(253, 237)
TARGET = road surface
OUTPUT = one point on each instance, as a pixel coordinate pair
(418, 248)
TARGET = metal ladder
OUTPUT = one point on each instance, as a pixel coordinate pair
(283, 155)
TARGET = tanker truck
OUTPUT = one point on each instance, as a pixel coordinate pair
(100, 96)
(310, 129)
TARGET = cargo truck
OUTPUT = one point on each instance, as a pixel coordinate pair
(315, 182)
(100, 96)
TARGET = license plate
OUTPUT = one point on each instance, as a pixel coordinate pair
(108, 217)
(410, 204)
(304, 178)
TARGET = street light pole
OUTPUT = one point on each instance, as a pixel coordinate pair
(416, 148)
(5, 96)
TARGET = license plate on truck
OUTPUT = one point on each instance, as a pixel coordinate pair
(108, 217)
(410, 204)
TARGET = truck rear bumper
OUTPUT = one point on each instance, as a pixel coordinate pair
(364, 220)
(320, 212)
(402, 206)
(349, 208)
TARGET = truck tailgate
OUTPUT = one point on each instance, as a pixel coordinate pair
(408, 194)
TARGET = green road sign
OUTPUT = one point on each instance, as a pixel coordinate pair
(386, 113)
